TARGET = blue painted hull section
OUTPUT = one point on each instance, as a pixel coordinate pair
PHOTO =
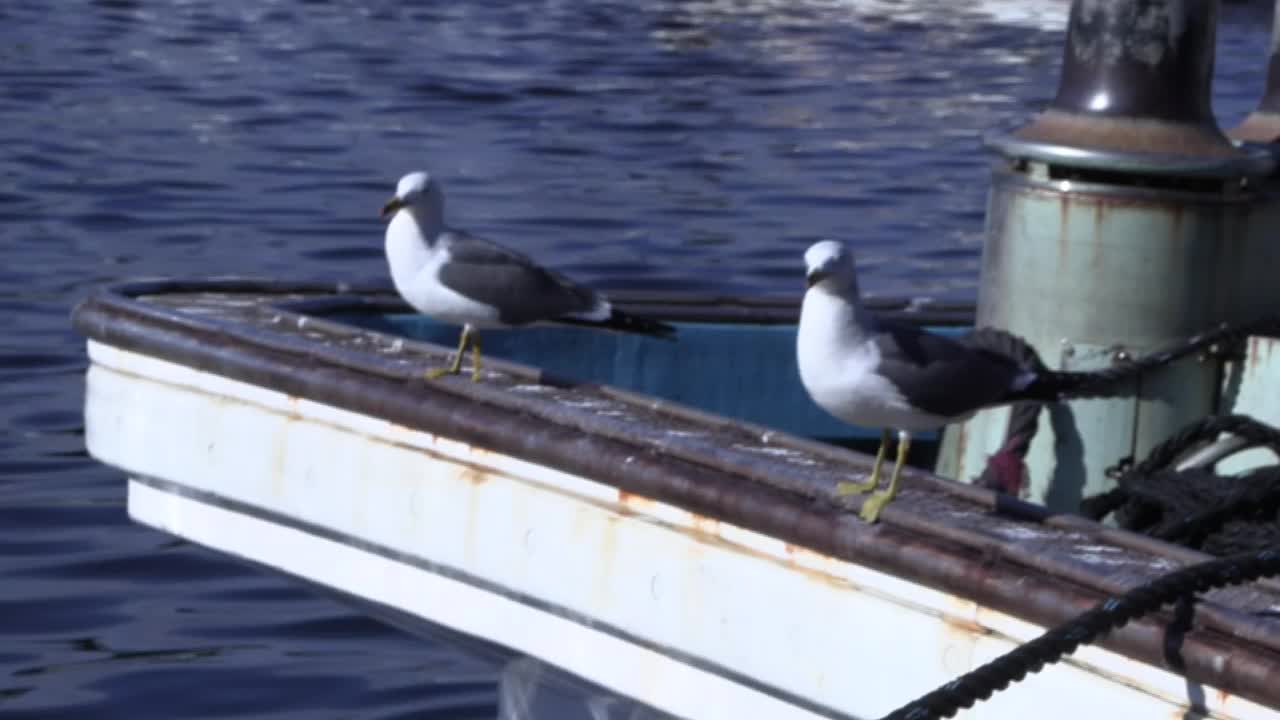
(746, 372)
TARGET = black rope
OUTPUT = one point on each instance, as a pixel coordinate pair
(1053, 385)
(1196, 507)
(1160, 457)
(1238, 519)
(1056, 385)
(1203, 431)
(1005, 469)
(1221, 523)
(1108, 615)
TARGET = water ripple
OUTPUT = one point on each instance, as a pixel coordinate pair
(661, 145)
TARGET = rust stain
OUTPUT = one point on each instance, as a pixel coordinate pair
(635, 503)
(706, 525)
(964, 625)
(959, 633)
(474, 475)
(792, 551)
(1064, 223)
(801, 554)
(641, 505)
(816, 566)
(482, 474)
(1101, 216)
(293, 414)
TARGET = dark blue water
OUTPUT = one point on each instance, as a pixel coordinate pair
(692, 145)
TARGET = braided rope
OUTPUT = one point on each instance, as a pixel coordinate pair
(1108, 615)
(1103, 383)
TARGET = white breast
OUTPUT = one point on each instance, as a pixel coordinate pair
(836, 362)
(415, 270)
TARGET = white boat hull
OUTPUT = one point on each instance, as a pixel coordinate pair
(690, 615)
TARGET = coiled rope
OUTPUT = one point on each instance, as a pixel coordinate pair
(1194, 506)
(1235, 518)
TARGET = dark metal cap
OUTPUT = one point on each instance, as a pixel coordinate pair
(1135, 94)
(1140, 59)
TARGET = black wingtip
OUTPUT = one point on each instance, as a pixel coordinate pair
(640, 325)
(624, 322)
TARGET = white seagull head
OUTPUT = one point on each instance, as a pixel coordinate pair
(418, 193)
(829, 264)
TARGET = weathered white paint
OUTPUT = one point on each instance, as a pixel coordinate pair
(461, 606)
(567, 569)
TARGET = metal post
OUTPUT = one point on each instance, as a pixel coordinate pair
(1117, 221)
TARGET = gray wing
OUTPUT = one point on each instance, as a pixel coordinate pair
(521, 290)
(942, 376)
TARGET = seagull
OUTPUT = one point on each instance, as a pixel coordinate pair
(458, 278)
(870, 372)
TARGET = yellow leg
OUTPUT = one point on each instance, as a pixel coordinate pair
(475, 356)
(852, 488)
(456, 366)
(872, 506)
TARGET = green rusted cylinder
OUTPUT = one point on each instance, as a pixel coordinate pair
(1119, 220)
